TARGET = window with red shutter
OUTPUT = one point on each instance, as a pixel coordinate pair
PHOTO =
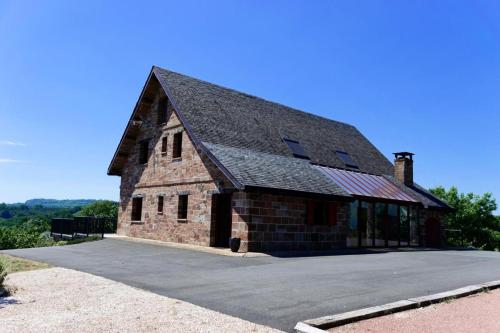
(310, 212)
(321, 213)
(332, 213)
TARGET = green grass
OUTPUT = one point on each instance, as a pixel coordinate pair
(12, 264)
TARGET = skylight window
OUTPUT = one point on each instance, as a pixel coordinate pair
(296, 148)
(347, 159)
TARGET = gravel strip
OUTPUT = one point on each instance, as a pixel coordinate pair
(479, 313)
(63, 300)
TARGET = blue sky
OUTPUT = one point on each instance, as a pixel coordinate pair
(421, 76)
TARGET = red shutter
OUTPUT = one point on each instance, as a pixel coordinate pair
(310, 212)
(332, 213)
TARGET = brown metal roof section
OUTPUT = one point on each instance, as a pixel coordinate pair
(366, 185)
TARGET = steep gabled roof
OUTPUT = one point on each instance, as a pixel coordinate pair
(227, 117)
(243, 135)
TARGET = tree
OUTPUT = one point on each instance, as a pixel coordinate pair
(474, 215)
(100, 208)
(6, 214)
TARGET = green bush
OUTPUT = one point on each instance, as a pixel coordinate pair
(29, 234)
(474, 215)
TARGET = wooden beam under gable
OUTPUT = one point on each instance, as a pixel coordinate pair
(143, 104)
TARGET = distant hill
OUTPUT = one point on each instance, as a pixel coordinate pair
(54, 203)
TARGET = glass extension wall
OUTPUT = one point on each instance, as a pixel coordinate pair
(376, 224)
(404, 226)
(352, 239)
(393, 227)
(380, 226)
(365, 215)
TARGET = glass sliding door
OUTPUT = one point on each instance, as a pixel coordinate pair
(365, 224)
(352, 239)
(414, 230)
(380, 224)
(393, 225)
(404, 226)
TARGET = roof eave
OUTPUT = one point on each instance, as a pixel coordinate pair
(347, 197)
(113, 171)
(387, 200)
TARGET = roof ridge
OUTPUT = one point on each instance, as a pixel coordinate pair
(254, 96)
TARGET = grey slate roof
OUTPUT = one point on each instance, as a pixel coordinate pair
(264, 170)
(227, 117)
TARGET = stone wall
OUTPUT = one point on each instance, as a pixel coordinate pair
(192, 174)
(278, 222)
(437, 216)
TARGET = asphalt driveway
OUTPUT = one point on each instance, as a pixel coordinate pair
(274, 291)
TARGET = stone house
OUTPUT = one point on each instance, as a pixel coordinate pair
(200, 163)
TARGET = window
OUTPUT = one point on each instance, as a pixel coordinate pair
(347, 159)
(393, 225)
(164, 142)
(183, 207)
(321, 213)
(136, 209)
(162, 111)
(177, 150)
(365, 223)
(352, 239)
(160, 204)
(296, 148)
(143, 151)
(380, 222)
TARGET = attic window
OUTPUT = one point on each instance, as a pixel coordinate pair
(347, 159)
(296, 148)
(164, 142)
(177, 146)
(143, 151)
(162, 111)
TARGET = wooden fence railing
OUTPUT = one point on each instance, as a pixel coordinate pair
(82, 226)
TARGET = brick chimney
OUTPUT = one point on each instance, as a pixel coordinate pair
(403, 167)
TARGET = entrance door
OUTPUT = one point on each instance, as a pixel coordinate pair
(432, 232)
(221, 207)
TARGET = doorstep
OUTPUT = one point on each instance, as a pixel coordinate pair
(199, 248)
